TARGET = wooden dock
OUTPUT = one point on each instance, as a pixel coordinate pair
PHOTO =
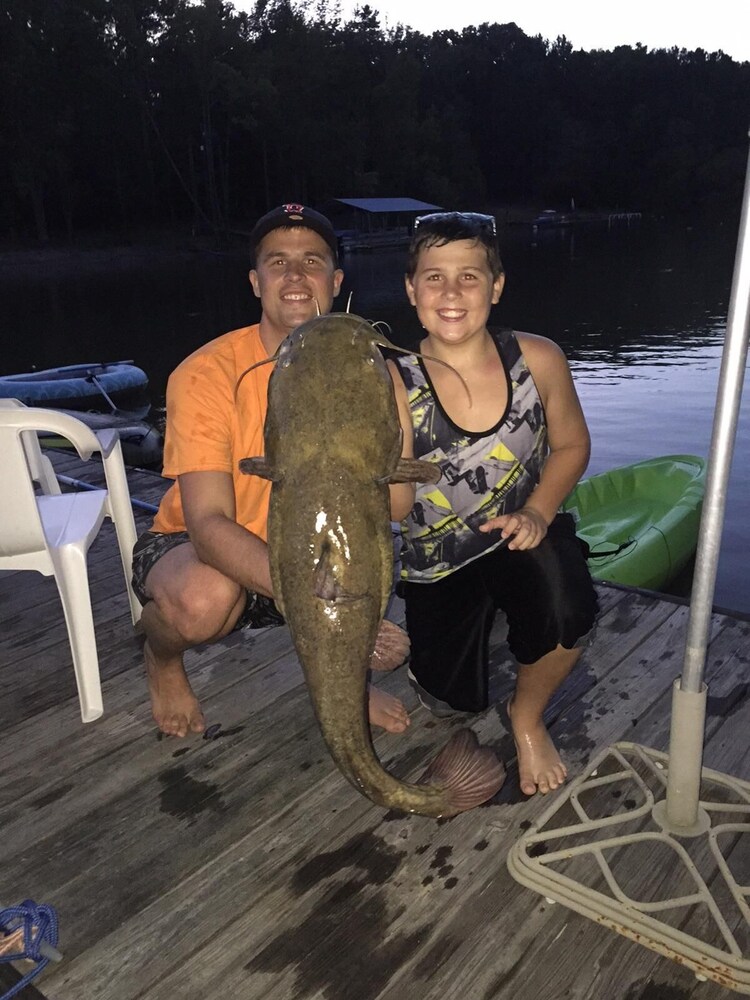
(246, 867)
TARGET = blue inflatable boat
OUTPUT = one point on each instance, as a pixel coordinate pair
(108, 386)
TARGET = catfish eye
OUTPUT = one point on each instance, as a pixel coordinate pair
(371, 361)
(286, 362)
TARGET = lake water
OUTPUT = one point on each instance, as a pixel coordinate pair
(640, 313)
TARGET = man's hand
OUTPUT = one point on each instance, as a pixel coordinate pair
(525, 528)
(391, 647)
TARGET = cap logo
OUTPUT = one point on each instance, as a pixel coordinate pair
(294, 208)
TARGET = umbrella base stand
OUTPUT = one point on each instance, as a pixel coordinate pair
(600, 850)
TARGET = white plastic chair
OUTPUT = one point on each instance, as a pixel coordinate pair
(51, 532)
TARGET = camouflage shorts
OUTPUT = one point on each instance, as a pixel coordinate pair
(259, 611)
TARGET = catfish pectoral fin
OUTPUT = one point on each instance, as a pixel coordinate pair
(257, 467)
(414, 470)
(467, 773)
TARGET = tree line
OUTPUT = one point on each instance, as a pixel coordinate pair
(120, 114)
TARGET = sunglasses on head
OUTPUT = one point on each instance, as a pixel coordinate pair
(476, 220)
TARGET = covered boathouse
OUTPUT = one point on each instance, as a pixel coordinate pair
(366, 223)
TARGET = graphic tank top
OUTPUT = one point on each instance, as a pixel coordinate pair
(484, 474)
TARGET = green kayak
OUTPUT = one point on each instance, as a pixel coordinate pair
(641, 521)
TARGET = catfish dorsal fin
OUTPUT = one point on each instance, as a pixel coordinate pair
(265, 361)
(385, 342)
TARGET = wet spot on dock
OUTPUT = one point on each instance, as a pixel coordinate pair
(575, 741)
(656, 991)
(230, 732)
(215, 732)
(441, 857)
(185, 797)
(365, 853)
(324, 952)
(625, 618)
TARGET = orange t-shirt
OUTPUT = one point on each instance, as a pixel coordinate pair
(208, 431)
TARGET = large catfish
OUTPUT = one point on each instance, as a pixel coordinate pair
(332, 446)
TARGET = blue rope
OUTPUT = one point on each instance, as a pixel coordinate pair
(39, 924)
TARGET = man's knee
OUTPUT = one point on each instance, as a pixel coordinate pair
(199, 607)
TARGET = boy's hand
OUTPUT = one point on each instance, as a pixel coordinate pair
(524, 529)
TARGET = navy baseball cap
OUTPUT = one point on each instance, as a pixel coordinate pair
(291, 215)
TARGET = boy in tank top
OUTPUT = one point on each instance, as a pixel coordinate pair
(511, 441)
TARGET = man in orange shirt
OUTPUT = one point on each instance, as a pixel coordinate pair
(202, 571)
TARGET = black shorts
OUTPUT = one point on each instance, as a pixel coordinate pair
(546, 593)
(151, 546)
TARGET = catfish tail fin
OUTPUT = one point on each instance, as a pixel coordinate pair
(465, 772)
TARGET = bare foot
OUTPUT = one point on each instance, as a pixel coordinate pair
(391, 647)
(173, 704)
(539, 765)
(387, 712)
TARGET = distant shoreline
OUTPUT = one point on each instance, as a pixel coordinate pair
(102, 254)
(109, 251)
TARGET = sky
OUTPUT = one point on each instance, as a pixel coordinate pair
(587, 24)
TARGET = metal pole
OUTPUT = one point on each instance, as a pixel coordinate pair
(722, 445)
(79, 484)
(689, 695)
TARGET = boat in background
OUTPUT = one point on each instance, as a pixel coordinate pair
(142, 442)
(115, 385)
(111, 395)
(641, 521)
(551, 217)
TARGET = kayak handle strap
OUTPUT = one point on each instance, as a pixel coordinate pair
(611, 552)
